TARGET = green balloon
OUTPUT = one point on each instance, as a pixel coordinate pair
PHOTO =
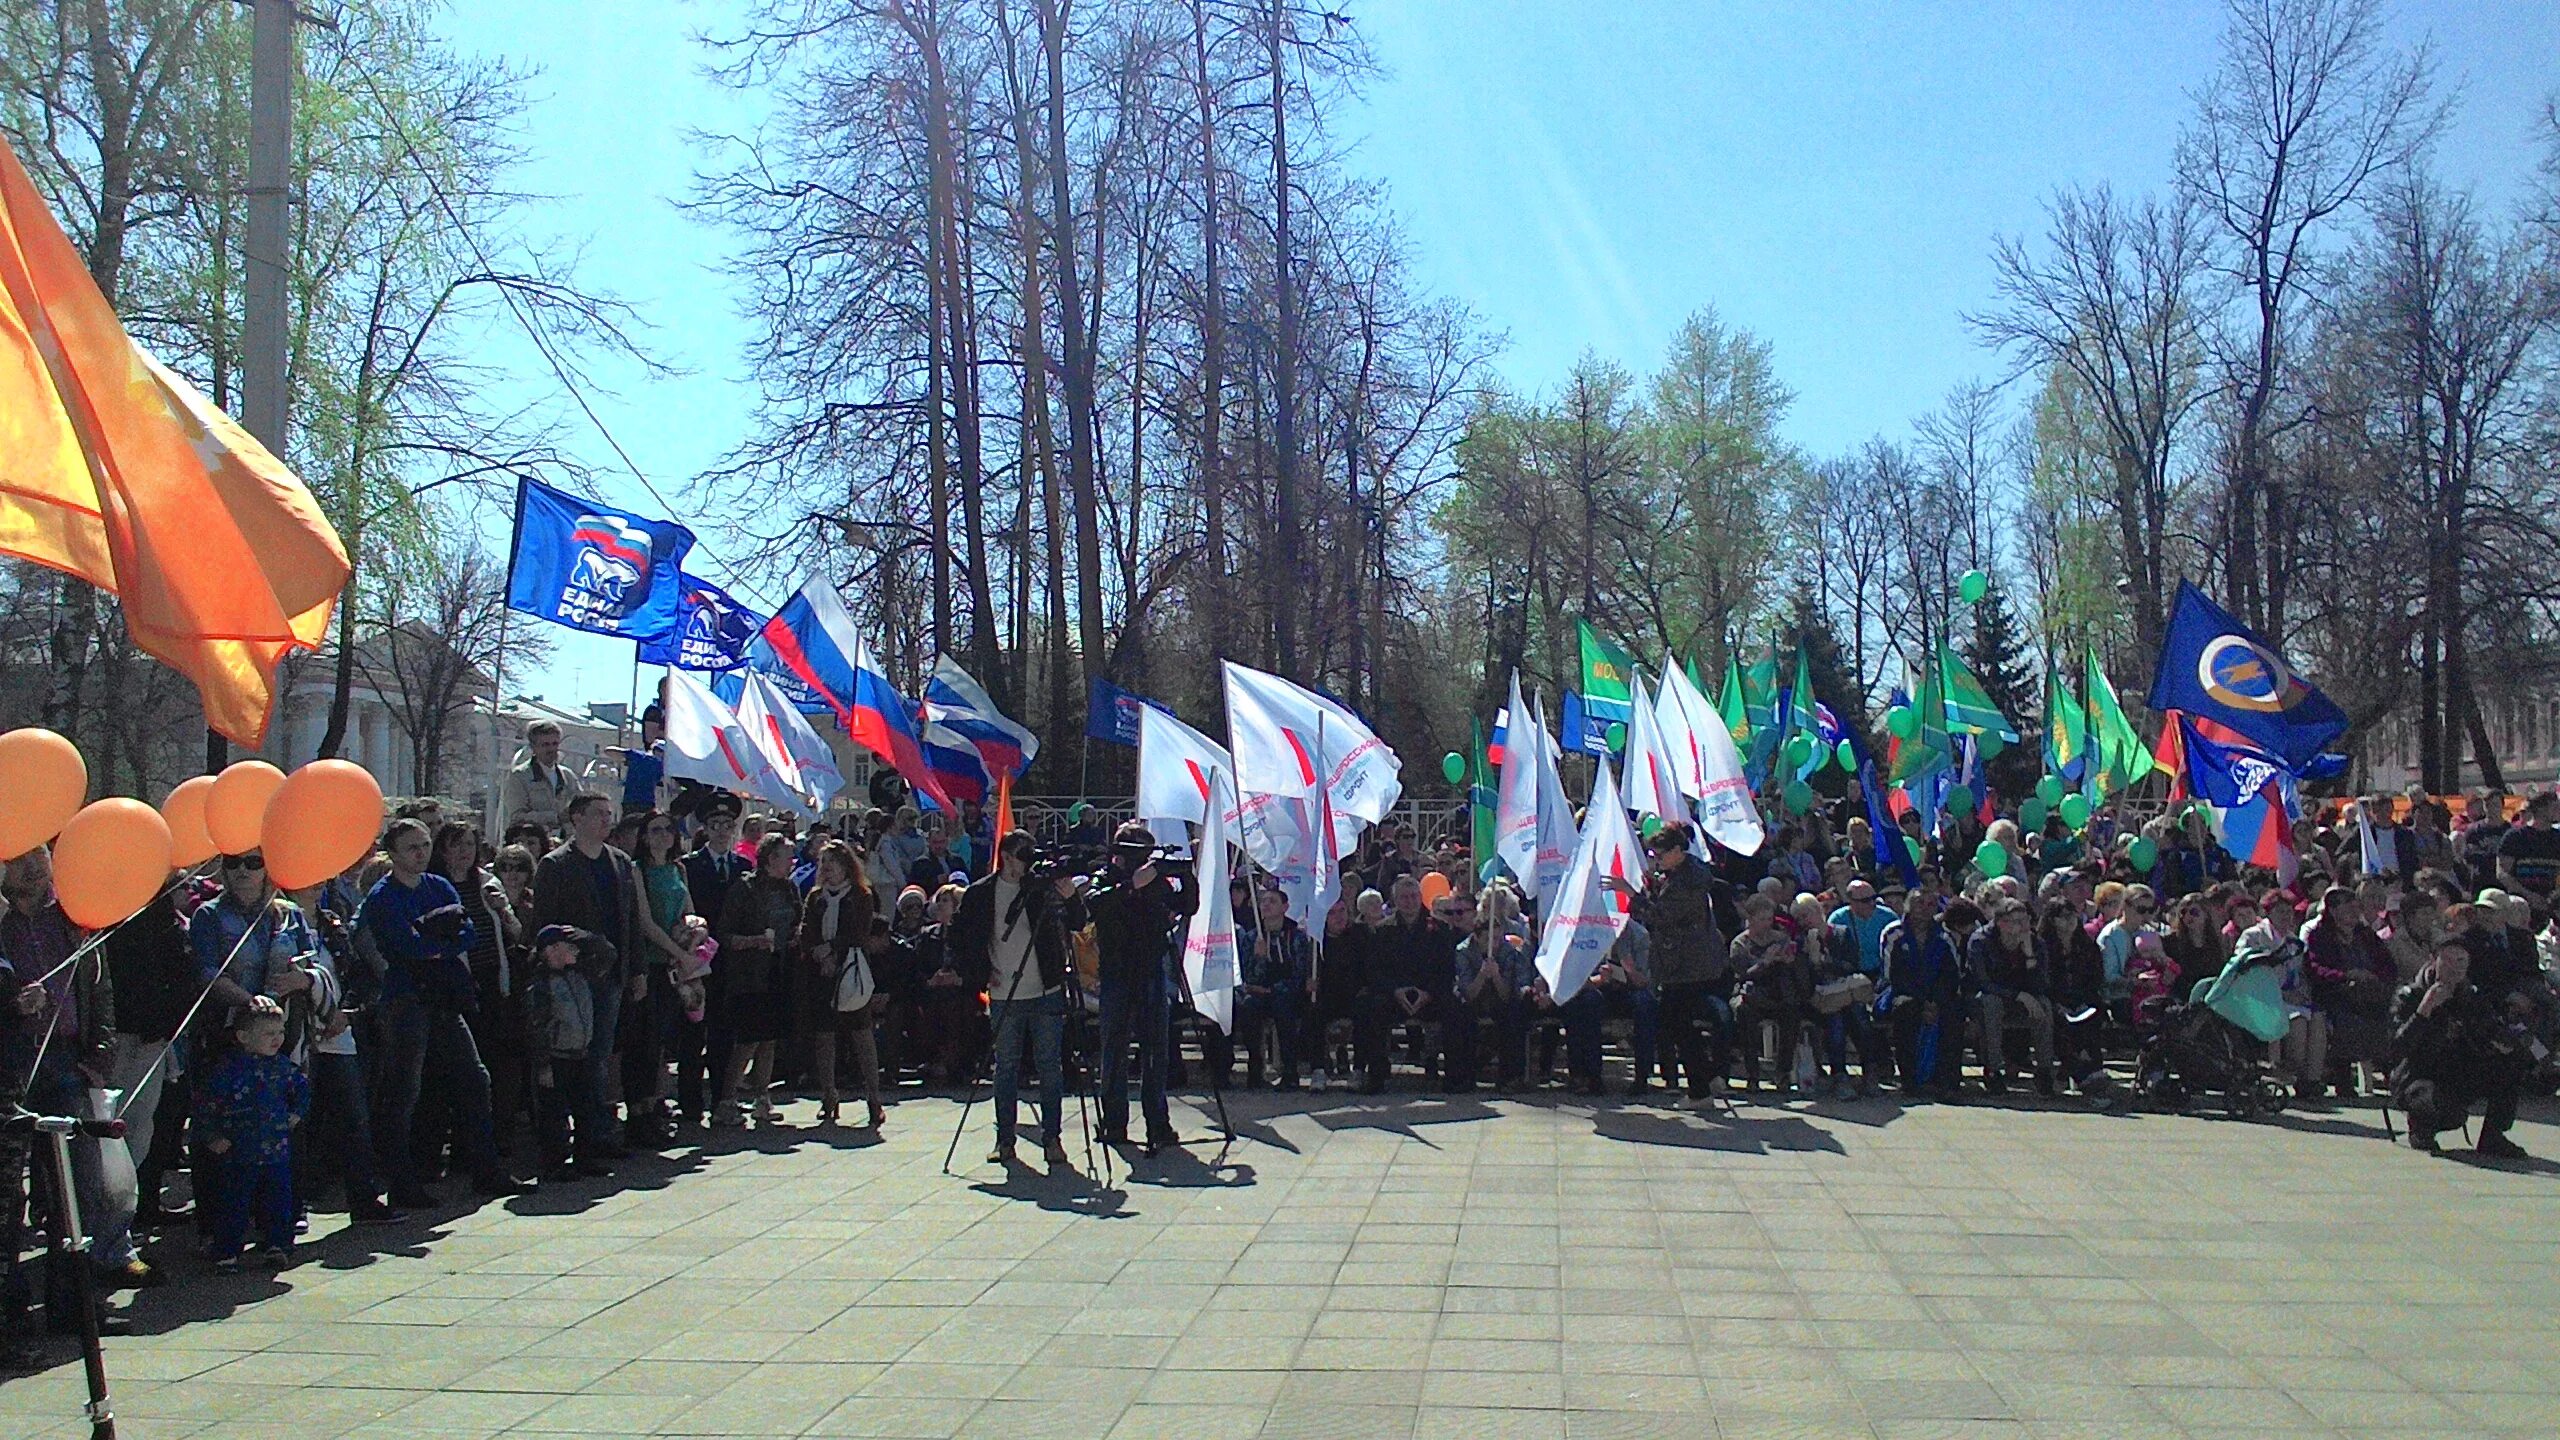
(2144, 852)
(1799, 750)
(1847, 755)
(2075, 810)
(2049, 790)
(1991, 859)
(1797, 797)
(1077, 812)
(1919, 855)
(1959, 799)
(1903, 721)
(1617, 735)
(1973, 587)
(1454, 765)
(1652, 826)
(1989, 744)
(2031, 815)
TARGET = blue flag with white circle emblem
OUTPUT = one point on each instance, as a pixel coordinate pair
(592, 567)
(713, 630)
(2218, 669)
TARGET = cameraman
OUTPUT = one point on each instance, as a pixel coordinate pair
(1010, 940)
(1135, 904)
(2455, 1047)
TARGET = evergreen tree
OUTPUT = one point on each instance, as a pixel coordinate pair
(1996, 650)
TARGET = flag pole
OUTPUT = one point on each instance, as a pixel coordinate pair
(497, 744)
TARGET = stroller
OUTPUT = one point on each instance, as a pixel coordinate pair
(2216, 1042)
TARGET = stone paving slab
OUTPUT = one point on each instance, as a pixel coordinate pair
(1419, 1268)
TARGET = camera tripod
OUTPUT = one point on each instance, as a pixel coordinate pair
(69, 1248)
(1074, 992)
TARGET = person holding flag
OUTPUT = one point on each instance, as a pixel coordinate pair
(1690, 918)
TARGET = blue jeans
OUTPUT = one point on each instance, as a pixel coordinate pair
(1043, 1022)
(338, 1111)
(422, 1036)
(1142, 1011)
(595, 1112)
(1593, 1004)
(251, 1193)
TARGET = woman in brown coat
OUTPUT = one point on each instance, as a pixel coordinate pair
(834, 921)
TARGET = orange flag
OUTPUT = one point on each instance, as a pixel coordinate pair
(115, 470)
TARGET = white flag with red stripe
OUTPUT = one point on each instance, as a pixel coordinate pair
(1209, 945)
(801, 759)
(706, 742)
(1589, 916)
(1556, 837)
(1709, 766)
(1653, 776)
(1178, 768)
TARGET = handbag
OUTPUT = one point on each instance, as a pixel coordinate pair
(1835, 996)
(853, 983)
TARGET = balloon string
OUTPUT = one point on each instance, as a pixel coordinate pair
(134, 1090)
(98, 938)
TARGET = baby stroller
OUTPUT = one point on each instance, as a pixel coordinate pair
(2190, 1051)
(2216, 1042)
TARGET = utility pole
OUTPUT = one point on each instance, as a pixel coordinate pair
(262, 320)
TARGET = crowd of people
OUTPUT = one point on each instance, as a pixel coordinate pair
(617, 973)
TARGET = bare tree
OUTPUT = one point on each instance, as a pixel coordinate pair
(2306, 108)
(2111, 298)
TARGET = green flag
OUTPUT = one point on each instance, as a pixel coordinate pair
(1802, 718)
(1969, 706)
(2122, 757)
(1697, 677)
(1930, 749)
(1760, 712)
(2066, 729)
(1730, 704)
(1607, 669)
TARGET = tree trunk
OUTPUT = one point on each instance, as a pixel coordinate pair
(1282, 581)
(1075, 341)
(1213, 347)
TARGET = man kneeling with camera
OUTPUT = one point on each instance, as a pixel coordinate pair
(2455, 1047)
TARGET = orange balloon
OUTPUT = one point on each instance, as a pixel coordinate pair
(235, 809)
(110, 861)
(184, 810)
(322, 820)
(1434, 886)
(42, 782)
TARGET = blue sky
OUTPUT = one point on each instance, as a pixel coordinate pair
(1581, 175)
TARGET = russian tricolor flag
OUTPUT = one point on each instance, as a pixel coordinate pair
(812, 640)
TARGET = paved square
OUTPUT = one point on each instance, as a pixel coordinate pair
(1412, 1267)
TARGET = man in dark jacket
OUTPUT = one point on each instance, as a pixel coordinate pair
(1692, 918)
(1410, 962)
(1010, 940)
(1135, 906)
(154, 973)
(2454, 1048)
(1925, 976)
(589, 886)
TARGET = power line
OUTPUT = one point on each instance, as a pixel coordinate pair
(533, 332)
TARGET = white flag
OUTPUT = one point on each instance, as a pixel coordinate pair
(1287, 738)
(1710, 767)
(800, 758)
(1588, 916)
(1556, 836)
(1283, 836)
(1209, 947)
(1653, 780)
(1515, 800)
(1177, 768)
(705, 742)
